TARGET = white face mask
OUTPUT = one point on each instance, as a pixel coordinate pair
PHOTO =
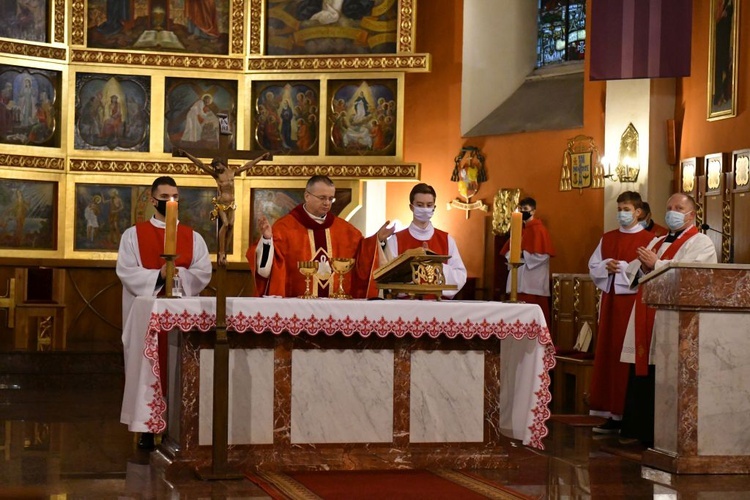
(423, 214)
(625, 218)
(675, 220)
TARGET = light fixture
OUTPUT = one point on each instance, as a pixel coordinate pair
(628, 163)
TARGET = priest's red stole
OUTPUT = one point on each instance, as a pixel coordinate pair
(644, 315)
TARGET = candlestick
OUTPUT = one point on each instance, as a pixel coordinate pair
(170, 234)
(515, 237)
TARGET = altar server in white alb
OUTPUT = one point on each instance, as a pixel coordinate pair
(421, 233)
(142, 271)
(139, 264)
(684, 243)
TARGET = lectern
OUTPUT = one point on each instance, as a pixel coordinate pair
(702, 356)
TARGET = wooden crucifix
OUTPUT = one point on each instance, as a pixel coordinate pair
(224, 208)
(223, 173)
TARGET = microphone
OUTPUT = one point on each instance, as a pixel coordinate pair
(706, 227)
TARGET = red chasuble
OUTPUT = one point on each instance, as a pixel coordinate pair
(151, 245)
(610, 379)
(644, 315)
(297, 237)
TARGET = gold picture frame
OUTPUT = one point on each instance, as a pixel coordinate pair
(723, 59)
(80, 52)
(55, 213)
(402, 29)
(83, 188)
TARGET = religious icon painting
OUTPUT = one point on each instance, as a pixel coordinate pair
(315, 27)
(192, 110)
(286, 115)
(200, 26)
(113, 112)
(24, 20)
(29, 211)
(102, 213)
(362, 119)
(29, 106)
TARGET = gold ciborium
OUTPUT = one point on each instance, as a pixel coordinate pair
(341, 266)
(308, 268)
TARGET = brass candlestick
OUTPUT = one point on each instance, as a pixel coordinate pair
(514, 281)
(169, 278)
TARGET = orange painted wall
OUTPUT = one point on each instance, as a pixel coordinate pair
(530, 161)
(699, 136)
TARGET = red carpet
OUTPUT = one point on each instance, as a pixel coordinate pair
(365, 485)
(579, 420)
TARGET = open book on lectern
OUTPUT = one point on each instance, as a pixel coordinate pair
(399, 269)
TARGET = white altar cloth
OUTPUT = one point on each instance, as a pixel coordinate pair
(525, 362)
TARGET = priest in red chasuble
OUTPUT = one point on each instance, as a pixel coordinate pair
(607, 267)
(310, 232)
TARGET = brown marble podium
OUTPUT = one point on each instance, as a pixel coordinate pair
(702, 356)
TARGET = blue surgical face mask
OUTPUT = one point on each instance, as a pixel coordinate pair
(625, 218)
(675, 220)
(423, 214)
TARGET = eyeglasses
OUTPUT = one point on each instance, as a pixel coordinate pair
(329, 199)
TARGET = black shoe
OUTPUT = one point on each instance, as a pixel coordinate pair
(146, 441)
(608, 427)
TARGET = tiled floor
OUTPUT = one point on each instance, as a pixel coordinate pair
(60, 442)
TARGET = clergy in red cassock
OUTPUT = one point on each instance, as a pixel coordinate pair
(536, 248)
(310, 232)
(607, 267)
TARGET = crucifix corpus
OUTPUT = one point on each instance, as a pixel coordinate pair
(224, 202)
(224, 208)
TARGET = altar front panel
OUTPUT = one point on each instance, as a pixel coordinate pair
(250, 393)
(342, 396)
(447, 397)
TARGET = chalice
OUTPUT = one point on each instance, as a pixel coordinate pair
(308, 268)
(341, 266)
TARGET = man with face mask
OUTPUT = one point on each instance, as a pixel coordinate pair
(536, 249)
(684, 243)
(607, 270)
(142, 271)
(421, 233)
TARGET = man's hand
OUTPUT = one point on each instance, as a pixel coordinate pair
(647, 257)
(385, 232)
(265, 227)
(613, 266)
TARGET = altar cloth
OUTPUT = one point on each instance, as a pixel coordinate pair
(527, 353)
